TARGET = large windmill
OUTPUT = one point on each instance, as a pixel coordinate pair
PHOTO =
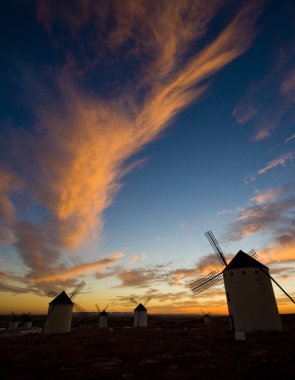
(140, 312)
(59, 317)
(250, 297)
(102, 317)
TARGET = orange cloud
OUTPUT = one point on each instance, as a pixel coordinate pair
(269, 195)
(278, 253)
(136, 258)
(81, 269)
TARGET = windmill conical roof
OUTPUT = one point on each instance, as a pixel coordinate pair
(63, 299)
(140, 307)
(242, 260)
(103, 314)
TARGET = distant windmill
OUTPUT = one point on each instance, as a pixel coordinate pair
(140, 312)
(27, 320)
(249, 293)
(206, 318)
(59, 317)
(102, 317)
(14, 321)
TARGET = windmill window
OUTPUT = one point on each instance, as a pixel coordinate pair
(243, 272)
(256, 272)
(231, 273)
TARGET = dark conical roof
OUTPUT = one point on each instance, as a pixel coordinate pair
(62, 299)
(242, 260)
(103, 314)
(140, 307)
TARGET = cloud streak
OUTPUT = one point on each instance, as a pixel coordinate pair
(279, 161)
(83, 269)
(273, 213)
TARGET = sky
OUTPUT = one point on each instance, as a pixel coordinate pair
(130, 128)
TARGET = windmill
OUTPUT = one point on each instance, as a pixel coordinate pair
(250, 297)
(14, 321)
(59, 317)
(140, 312)
(102, 317)
(206, 317)
(27, 320)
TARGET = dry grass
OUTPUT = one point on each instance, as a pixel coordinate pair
(170, 348)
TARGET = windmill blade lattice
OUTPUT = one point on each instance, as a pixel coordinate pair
(77, 289)
(206, 282)
(253, 254)
(134, 301)
(79, 308)
(215, 245)
(147, 300)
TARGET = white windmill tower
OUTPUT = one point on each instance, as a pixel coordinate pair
(13, 323)
(27, 321)
(249, 293)
(102, 317)
(60, 310)
(140, 312)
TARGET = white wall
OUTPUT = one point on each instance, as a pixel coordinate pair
(251, 300)
(59, 319)
(140, 318)
(103, 321)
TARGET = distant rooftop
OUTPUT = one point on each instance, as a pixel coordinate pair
(62, 299)
(140, 307)
(242, 260)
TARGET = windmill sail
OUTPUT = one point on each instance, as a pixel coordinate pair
(253, 254)
(77, 289)
(79, 308)
(215, 245)
(134, 301)
(147, 300)
(206, 282)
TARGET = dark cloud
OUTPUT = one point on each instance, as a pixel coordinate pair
(273, 216)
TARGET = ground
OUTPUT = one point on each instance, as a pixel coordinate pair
(171, 347)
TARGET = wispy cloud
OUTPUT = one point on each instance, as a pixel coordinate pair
(269, 195)
(292, 137)
(81, 140)
(261, 217)
(83, 269)
(279, 161)
(268, 103)
(272, 213)
(135, 258)
(16, 284)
